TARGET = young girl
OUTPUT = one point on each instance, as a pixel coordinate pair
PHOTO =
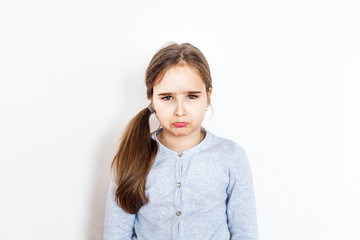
(182, 181)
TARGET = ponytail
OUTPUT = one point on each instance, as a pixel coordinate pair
(133, 161)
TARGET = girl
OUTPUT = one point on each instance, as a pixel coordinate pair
(181, 181)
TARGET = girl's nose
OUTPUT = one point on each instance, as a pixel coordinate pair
(180, 111)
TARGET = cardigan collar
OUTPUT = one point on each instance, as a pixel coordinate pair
(193, 149)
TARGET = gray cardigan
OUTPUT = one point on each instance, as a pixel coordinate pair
(205, 192)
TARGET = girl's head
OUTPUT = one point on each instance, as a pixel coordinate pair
(179, 86)
(172, 55)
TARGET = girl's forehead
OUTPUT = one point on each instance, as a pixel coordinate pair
(180, 79)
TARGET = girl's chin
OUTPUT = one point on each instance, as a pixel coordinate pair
(177, 130)
(184, 131)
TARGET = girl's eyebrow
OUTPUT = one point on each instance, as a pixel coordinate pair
(187, 92)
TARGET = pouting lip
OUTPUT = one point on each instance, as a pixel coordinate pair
(180, 123)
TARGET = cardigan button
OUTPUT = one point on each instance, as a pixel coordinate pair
(178, 213)
(178, 184)
(180, 154)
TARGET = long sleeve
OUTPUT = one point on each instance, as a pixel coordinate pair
(118, 224)
(241, 210)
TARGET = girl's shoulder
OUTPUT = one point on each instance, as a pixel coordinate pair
(228, 146)
(230, 154)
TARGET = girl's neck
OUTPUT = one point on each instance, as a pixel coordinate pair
(179, 144)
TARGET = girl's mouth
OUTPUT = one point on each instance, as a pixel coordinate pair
(180, 124)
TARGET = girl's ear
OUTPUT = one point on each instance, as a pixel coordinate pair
(209, 95)
(153, 107)
(152, 104)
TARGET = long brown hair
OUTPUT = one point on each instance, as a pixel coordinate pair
(137, 151)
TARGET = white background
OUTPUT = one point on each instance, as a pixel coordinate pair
(286, 87)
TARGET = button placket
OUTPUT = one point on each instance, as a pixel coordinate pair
(178, 183)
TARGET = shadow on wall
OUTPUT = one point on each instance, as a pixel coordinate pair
(99, 189)
(107, 149)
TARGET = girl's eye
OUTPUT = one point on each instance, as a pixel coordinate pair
(167, 98)
(192, 97)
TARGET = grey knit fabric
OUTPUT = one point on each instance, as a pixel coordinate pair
(205, 192)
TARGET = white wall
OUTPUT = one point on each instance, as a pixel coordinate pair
(286, 87)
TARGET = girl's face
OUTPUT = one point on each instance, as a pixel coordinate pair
(180, 101)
